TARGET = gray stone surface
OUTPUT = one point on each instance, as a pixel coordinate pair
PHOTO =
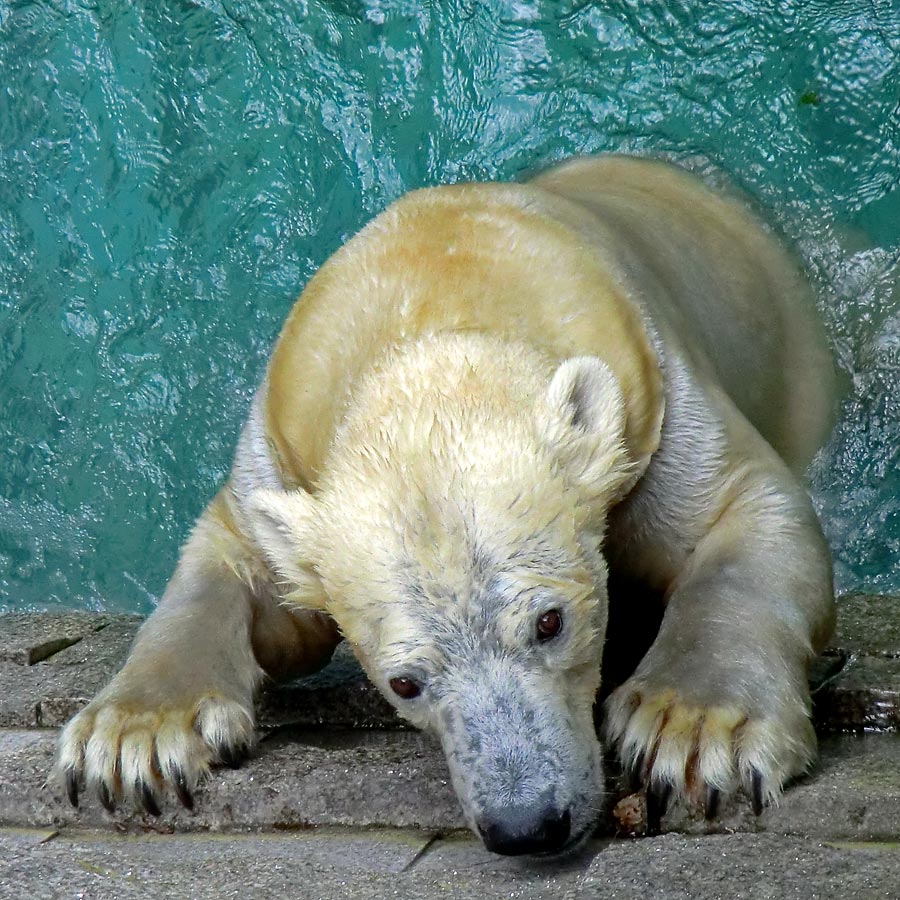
(297, 778)
(868, 625)
(321, 865)
(863, 696)
(741, 867)
(52, 664)
(49, 692)
(309, 777)
(100, 865)
(28, 638)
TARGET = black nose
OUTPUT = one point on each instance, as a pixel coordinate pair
(517, 831)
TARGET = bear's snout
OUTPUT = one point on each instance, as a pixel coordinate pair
(518, 831)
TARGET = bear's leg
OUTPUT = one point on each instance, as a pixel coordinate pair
(184, 698)
(721, 699)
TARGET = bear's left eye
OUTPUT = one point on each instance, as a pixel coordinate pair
(405, 688)
(549, 625)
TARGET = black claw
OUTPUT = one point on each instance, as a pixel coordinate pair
(72, 787)
(636, 773)
(657, 803)
(148, 800)
(712, 802)
(108, 801)
(232, 756)
(756, 795)
(154, 763)
(181, 789)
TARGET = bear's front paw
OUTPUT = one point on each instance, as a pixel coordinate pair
(704, 751)
(127, 748)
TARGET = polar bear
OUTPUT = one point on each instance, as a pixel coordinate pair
(489, 399)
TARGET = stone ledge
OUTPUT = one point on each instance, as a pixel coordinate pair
(857, 682)
(50, 691)
(308, 777)
(867, 625)
(353, 865)
(29, 638)
(297, 778)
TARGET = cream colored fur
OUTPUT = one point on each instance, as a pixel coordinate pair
(481, 390)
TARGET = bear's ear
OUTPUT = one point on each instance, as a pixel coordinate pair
(582, 419)
(282, 523)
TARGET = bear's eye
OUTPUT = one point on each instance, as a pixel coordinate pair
(549, 625)
(405, 688)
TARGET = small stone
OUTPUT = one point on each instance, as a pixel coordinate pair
(630, 815)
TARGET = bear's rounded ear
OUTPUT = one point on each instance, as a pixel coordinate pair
(582, 419)
(282, 524)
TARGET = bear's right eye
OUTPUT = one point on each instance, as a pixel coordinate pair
(549, 625)
(405, 688)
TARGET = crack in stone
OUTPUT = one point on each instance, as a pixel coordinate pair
(422, 851)
(44, 651)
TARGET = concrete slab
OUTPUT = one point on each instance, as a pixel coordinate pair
(306, 777)
(321, 865)
(51, 665)
(297, 778)
(28, 638)
(50, 691)
(740, 867)
(868, 625)
(100, 865)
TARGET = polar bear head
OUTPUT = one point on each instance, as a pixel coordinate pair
(455, 537)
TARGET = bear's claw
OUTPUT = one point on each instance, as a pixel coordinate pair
(106, 799)
(700, 753)
(121, 749)
(147, 799)
(711, 807)
(72, 786)
(756, 792)
(657, 803)
(232, 757)
(182, 791)
(635, 773)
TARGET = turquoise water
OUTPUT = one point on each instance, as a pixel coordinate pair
(171, 173)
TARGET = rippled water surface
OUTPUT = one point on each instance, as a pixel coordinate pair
(171, 173)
